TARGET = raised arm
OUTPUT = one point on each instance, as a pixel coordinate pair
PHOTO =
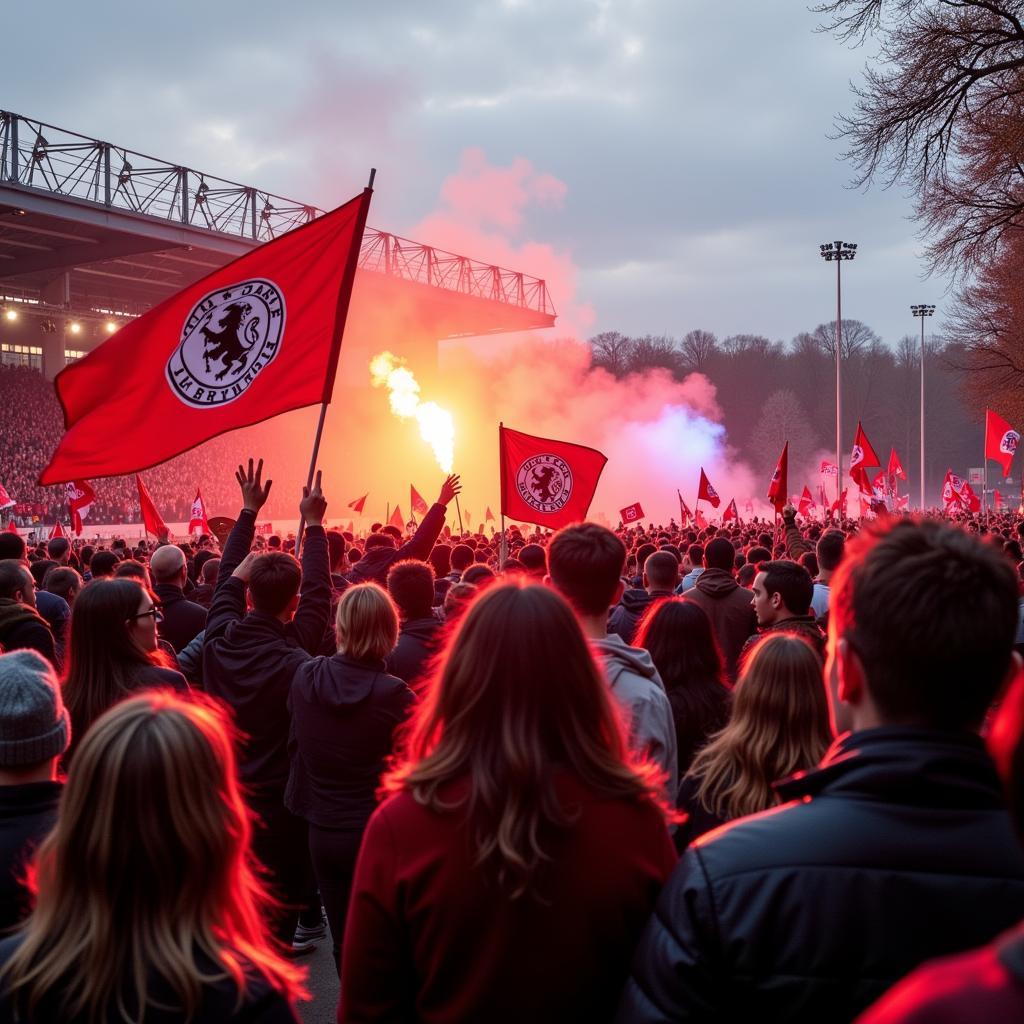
(314, 609)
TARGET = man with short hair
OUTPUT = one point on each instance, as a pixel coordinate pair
(585, 564)
(102, 565)
(898, 847)
(35, 730)
(726, 603)
(203, 593)
(661, 574)
(21, 625)
(183, 619)
(411, 586)
(695, 555)
(59, 549)
(782, 600)
(830, 550)
(63, 582)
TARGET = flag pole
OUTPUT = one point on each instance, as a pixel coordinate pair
(340, 316)
(503, 546)
(459, 510)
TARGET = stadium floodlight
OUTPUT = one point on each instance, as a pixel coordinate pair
(922, 310)
(75, 327)
(111, 327)
(10, 314)
(836, 252)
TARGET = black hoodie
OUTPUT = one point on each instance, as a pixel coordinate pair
(417, 641)
(343, 717)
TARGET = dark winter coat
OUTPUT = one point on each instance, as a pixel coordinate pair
(417, 642)
(896, 849)
(23, 628)
(728, 607)
(203, 594)
(57, 613)
(249, 660)
(802, 625)
(183, 621)
(27, 813)
(626, 615)
(343, 717)
(699, 819)
(375, 563)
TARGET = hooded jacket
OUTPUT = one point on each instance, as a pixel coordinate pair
(636, 685)
(417, 641)
(896, 849)
(626, 615)
(374, 565)
(728, 607)
(343, 717)
(183, 621)
(23, 628)
(802, 625)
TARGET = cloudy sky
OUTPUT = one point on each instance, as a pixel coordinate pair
(667, 160)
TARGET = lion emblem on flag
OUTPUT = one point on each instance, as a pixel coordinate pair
(1008, 445)
(544, 482)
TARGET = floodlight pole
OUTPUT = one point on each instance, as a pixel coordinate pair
(921, 311)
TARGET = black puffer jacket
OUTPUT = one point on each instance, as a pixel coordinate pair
(895, 850)
(626, 615)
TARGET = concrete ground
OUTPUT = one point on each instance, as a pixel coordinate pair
(322, 984)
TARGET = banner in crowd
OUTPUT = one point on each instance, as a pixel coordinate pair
(731, 512)
(862, 458)
(705, 492)
(198, 522)
(6, 501)
(359, 503)
(253, 339)
(895, 471)
(57, 531)
(546, 482)
(416, 502)
(151, 519)
(685, 515)
(806, 502)
(631, 513)
(396, 519)
(80, 496)
(1001, 440)
(828, 468)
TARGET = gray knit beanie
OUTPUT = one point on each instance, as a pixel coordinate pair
(34, 724)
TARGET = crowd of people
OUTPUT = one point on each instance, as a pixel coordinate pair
(644, 774)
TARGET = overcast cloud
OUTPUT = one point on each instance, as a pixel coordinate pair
(691, 138)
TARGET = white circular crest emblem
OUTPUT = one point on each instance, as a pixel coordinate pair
(544, 482)
(856, 456)
(230, 336)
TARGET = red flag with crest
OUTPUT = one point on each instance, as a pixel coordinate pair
(197, 522)
(862, 458)
(419, 506)
(546, 482)
(631, 513)
(685, 514)
(80, 496)
(731, 512)
(1001, 440)
(705, 492)
(778, 488)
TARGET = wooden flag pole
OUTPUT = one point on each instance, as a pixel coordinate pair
(459, 510)
(341, 313)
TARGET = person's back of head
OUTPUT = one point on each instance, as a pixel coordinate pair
(64, 582)
(58, 548)
(678, 636)
(210, 569)
(745, 575)
(39, 568)
(758, 554)
(457, 599)
(720, 554)
(380, 540)
(461, 557)
(35, 728)
(366, 622)
(695, 553)
(274, 542)
(411, 585)
(168, 564)
(809, 560)
(643, 553)
(131, 570)
(153, 793)
(830, 550)
(102, 564)
(441, 560)
(585, 564)
(335, 548)
(16, 582)
(791, 583)
(661, 571)
(478, 575)
(921, 625)
(779, 725)
(274, 583)
(12, 545)
(517, 665)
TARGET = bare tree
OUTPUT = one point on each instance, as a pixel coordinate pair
(652, 352)
(612, 351)
(696, 350)
(782, 419)
(856, 337)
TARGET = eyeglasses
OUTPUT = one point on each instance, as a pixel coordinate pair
(158, 615)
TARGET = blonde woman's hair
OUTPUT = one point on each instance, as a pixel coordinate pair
(147, 872)
(515, 695)
(366, 623)
(779, 725)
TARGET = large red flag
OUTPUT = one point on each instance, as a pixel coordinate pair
(705, 492)
(780, 481)
(549, 483)
(419, 506)
(862, 457)
(253, 339)
(197, 519)
(150, 517)
(80, 497)
(1001, 440)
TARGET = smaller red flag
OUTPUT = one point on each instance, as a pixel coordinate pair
(780, 481)
(999, 499)
(902, 502)
(80, 497)
(862, 457)
(684, 510)
(57, 531)
(357, 505)
(731, 512)
(351, 526)
(839, 505)
(197, 520)
(806, 502)
(1001, 440)
(895, 471)
(11, 527)
(419, 506)
(699, 521)
(396, 519)
(631, 513)
(490, 515)
(705, 492)
(828, 468)
(150, 517)
(6, 501)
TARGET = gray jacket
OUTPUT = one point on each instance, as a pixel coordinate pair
(636, 685)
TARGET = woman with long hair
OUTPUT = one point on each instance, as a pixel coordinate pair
(510, 870)
(678, 636)
(148, 905)
(779, 725)
(344, 712)
(112, 651)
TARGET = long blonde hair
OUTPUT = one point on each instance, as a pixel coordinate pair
(779, 725)
(147, 870)
(514, 696)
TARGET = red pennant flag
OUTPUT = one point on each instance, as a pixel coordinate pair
(253, 339)
(197, 520)
(80, 496)
(699, 521)
(731, 512)
(396, 519)
(806, 502)
(1001, 440)
(631, 513)
(862, 457)
(684, 510)
(895, 471)
(357, 505)
(351, 526)
(705, 492)
(11, 527)
(150, 517)
(780, 481)
(419, 506)
(489, 518)
(546, 482)
(839, 505)
(6, 501)
(57, 531)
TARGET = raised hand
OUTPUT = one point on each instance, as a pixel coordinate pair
(313, 505)
(244, 568)
(449, 489)
(254, 491)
